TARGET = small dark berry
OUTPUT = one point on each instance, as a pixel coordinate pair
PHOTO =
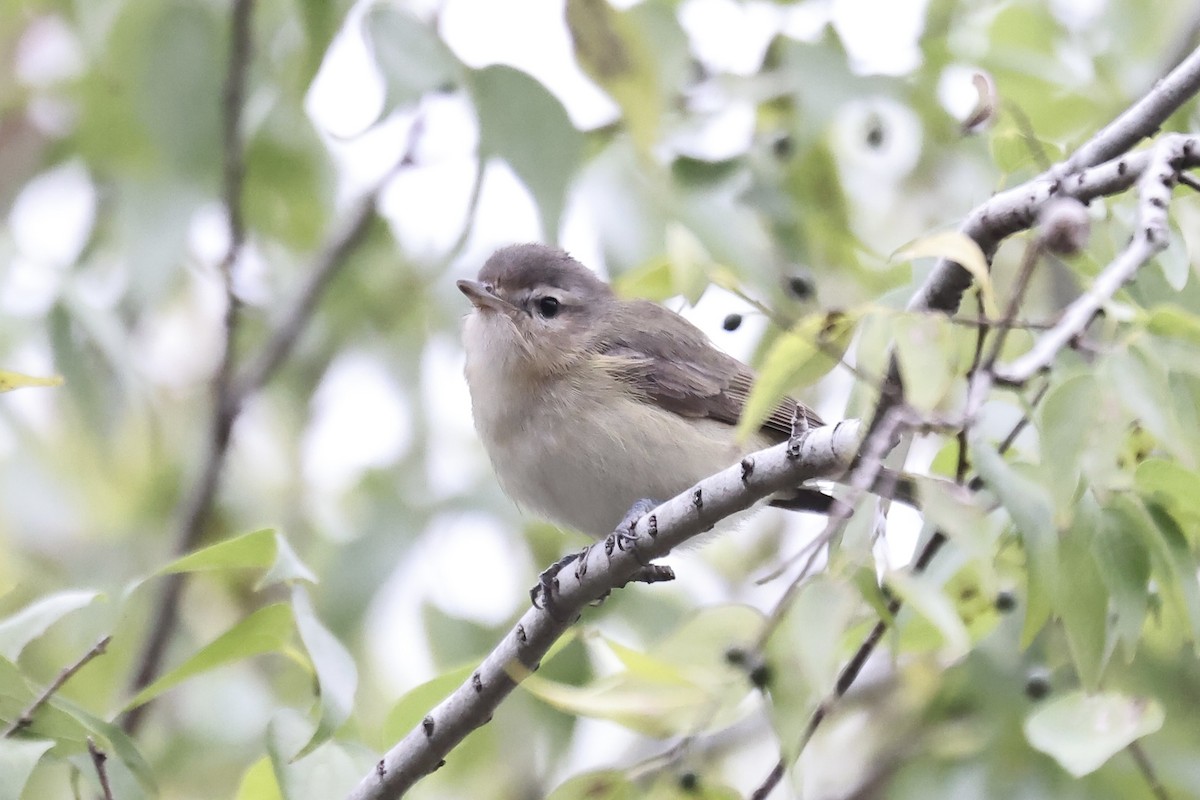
(800, 286)
(782, 147)
(1005, 602)
(875, 133)
(760, 676)
(1037, 684)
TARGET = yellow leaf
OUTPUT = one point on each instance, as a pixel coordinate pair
(810, 349)
(16, 380)
(962, 250)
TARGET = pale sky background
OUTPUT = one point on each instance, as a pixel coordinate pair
(362, 415)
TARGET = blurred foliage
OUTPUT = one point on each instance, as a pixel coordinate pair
(1050, 633)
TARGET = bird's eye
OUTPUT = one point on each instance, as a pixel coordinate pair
(548, 307)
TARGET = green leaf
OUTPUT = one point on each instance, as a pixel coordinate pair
(927, 352)
(259, 783)
(1083, 599)
(332, 770)
(409, 54)
(320, 19)
(522, 123)
(930, 602)
(285, 189)
(1178, 572)
(1013, 150)
(661, 692)
(337, 675)
(18, 757)
(1029, 506)
(804, 654)
(958, 513)
(1172, 570)
(29, 623)
(1065, 419)
(1124, 566)
(177, 94)
(1171, 484)
(254, 550)
(806, 352)
(653, 280)
(608, 784)
(614, 49)
(655, 708)
(1141, 385)
(813, 183)
(287, 566)
(1082, 731)
(1174, 321)
(689, 262)
(267, 630)
(118, 741)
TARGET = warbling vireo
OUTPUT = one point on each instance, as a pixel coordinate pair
(587, 403)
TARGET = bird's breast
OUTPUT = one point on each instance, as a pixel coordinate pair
(582, 452)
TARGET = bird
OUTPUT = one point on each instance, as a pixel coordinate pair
(589, 405)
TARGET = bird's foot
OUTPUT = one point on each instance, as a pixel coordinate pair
(651, 573)
(623, 537)
(543, 592)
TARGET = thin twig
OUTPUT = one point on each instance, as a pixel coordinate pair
(867, 466)
(1148, 772)
(849, 673)
(1016, 325)
(1033, 252)
(197, 507)
(421, 750)
(232, 387)
(349, 234)
(1151, 237)
(99, 757)
(1142, 119)
(981, 332)
(26, 717)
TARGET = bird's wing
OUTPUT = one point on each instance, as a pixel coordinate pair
(678, 369)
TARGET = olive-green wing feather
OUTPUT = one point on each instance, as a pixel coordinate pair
(678, 369)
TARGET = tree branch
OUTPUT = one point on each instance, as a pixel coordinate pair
(232, 388)
(1082, 177)
(823, 452)
(1149, 239)
(349, 234)
(68, 672)
(99, 757)
(198, 506)
(1140, 120)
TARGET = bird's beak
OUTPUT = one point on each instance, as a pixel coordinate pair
(482, 299)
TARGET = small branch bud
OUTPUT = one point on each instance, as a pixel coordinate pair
(1064, 226)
